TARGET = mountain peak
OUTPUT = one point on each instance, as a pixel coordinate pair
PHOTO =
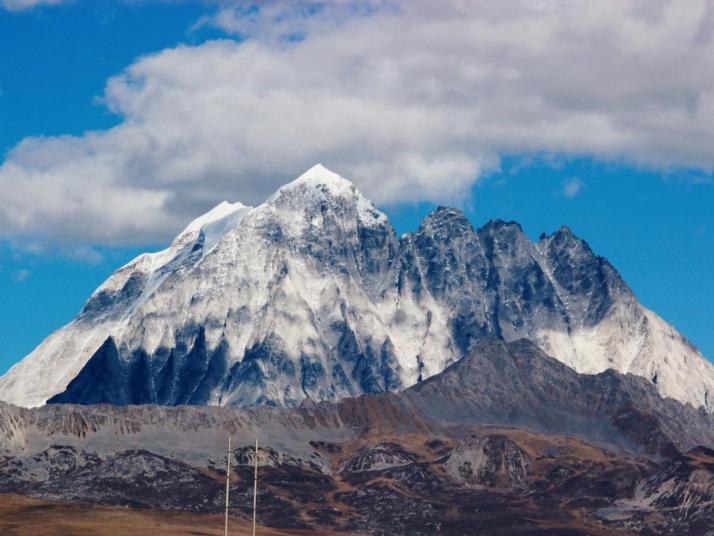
(445, 221)
(563, 238)
(220, 211)
(321, 173)
(443, 212)
(318, 184)
(499, 224)
(564, 233)
(314, 182)
(319, 176)
(503, 230)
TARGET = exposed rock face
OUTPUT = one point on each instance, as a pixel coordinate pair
(312, 296)
(491, 461)
(377, 458)
(515, 383)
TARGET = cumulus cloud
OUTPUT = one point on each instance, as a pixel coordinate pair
(412, 100)
(572, 187)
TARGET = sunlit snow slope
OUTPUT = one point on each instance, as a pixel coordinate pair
(312, 295)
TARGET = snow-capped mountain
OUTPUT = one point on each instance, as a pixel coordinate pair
(312, 295)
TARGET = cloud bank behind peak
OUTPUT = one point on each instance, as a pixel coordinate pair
(412, 101)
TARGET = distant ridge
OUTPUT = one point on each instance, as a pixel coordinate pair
(523, 439)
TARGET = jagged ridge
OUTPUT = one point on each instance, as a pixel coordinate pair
(312, 296)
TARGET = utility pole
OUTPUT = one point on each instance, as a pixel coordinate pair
(228, 481)
(255, 485)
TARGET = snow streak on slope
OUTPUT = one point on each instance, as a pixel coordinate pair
(312, 295)
(60, 357)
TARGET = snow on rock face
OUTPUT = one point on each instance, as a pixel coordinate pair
(312, 295)
(52, 365)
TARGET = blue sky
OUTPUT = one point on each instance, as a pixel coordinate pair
(56, 60)
(639, 193)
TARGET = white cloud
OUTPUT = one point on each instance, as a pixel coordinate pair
(20, 276)
(412, 100)
(21, 5)
(572, 187)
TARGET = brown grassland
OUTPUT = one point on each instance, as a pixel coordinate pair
(24, 516)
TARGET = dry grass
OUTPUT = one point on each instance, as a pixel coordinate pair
(20, 516)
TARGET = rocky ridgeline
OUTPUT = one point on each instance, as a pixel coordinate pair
(311, 295)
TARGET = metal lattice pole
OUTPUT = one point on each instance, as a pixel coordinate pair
(228, 480)
(255, 485)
